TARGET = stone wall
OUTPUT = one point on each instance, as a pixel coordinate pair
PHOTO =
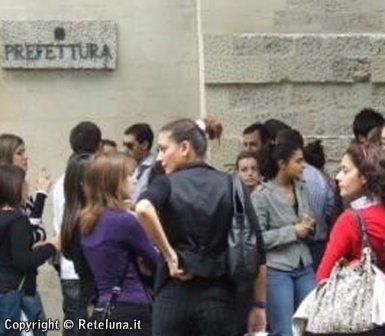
(311, 63)
(292, 16)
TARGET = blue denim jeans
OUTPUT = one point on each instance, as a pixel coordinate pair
(33, 309)
(33, 306)
(285, 291)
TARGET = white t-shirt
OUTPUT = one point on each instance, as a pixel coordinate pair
(67, 269)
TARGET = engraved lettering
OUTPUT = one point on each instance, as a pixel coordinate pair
(9, 49)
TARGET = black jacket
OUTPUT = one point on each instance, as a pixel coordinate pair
(17, 259)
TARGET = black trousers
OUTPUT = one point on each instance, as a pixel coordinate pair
(137, 316)
(199, 307)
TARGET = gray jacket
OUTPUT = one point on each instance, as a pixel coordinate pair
(277, 218)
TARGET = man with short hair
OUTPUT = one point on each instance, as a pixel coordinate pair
(137, 141)
(364, 122)
(254, 137)
(85, 138)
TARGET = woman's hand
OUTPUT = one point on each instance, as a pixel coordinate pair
(257, 320)
(309, 223)
(304, 228)
(43, 181)
(301, 230)
(174, 270)
(55, 241)
(143, 269)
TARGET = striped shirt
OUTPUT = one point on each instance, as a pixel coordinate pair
(321, 200)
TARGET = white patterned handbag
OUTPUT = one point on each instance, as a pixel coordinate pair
(346, 302)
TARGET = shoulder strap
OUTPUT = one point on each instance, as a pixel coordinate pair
(238, 196)
(21, 284)
(118, 288)
(361, 229)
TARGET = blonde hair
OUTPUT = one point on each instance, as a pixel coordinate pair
(104, 186)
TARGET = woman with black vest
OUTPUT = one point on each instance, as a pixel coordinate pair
(188, 213)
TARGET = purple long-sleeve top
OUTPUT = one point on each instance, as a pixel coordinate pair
(111, 248)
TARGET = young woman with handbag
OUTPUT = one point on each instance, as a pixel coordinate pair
(112, 241)
(358, 236)
(20, 255)
(188, 214)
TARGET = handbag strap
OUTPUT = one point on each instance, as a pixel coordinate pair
(361, 229)
(237, 195)
(21, 284)
(117, 288)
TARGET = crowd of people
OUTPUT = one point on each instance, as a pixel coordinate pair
(143, 236)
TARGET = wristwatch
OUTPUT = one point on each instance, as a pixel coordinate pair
(259, 304)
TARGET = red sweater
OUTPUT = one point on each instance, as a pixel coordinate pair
(345, 239)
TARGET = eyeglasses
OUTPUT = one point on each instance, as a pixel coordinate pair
(129, 145)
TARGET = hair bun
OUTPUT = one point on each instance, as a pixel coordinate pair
(214, 127)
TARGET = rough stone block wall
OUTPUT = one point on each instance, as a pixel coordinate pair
(314, 82)
(292, 16)
(330, 16)
(312, 63)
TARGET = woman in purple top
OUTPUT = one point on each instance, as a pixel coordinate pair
(112, 242)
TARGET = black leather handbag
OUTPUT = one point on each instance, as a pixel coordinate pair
(242, 237)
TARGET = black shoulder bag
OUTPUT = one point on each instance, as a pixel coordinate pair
(242, 238)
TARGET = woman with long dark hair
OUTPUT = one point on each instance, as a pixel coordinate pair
(361, 181)
(188, 213)
(283, 211)
(82, 289)
(13, 152)
(20, 256)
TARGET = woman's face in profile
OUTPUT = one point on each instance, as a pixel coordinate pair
(294, 167)
(20, 157)
(170, 154)
(350, 181)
